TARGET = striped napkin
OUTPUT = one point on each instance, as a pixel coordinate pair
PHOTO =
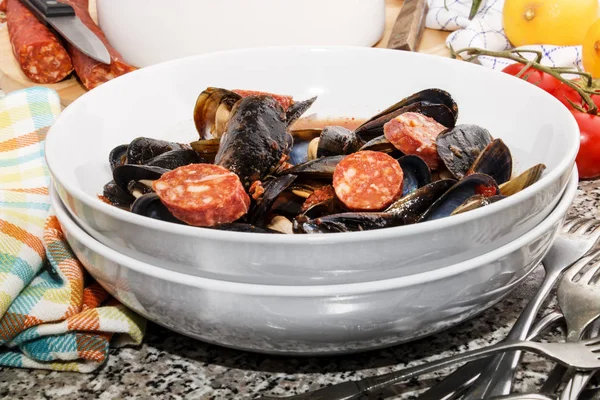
(52, 315)
(486, 31)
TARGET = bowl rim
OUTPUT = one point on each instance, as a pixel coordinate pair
(346, 237)
(314, 290)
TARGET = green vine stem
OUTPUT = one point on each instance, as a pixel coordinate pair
(584, 91)
(474, 8)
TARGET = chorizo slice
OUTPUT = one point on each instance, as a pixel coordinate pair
(414, 133)
(368, 181)
(91, 72)
(283, 100)
(40, 54)
(203, 194)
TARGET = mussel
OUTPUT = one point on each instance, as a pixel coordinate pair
(255, 140)
(212, 111)
(416, 173)
(272, 189)
(139, 188)
(118, 156)
(124, 174)
(149, 205)
(143, 149)
(323, 167)
(469, 186)
(495, 160)
(117, 196)
(321, 202)
(527, 178)
(459, 147)
(207, 148)
(337, 140)
(475, 202)
(409, 208)
(176, 158)
(297, 109)
(243, 227)
(345, 222)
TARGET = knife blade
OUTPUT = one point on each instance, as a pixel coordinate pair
(63, 19)
(409, 26)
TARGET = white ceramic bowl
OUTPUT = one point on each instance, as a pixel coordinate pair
(315, 319)
(147, 32)
(535, 126)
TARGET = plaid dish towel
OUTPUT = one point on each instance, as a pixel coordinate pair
(52, 315)
(486, 31)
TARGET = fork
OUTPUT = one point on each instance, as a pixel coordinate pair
(577, 237)
(583, 355)
(579, 301)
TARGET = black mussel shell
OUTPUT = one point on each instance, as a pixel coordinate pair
(305, 134)
(439, 112)
(149, 205)
(126, 173)
(142, 149)
(345, 222)
(212, 111)
(495, 160)
(118, 156)
(416, 173)
(176, 158)
(272, 189)
(380, 143)
(323, 167)
(295, 111)
(476, 201)
(432, 96)
(469, 186)
(460, 146)
(243, 227)
(117, 196)
(138, 189)
(527, 178)
(287, 204)
(207, 148)
(337, 140)
(325, 202)
(411, 207)
(299, 153)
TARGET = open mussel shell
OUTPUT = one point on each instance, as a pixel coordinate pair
(323, 167)
(212, 111)
(139, 188)
(408, 209)
(124, 174)
(379, 143)
(176, 158)
(416, 173)
(460, 146)
(296, 110)
(207, 148)
(322, 202)
(337, 140)
(143, 149)
(526, 179)
(433, 96)
(272, 189)
(117, 156)
(475, 202)
(344, 222)
(149, 205)
(439, 112)
(117, 196)
(244, 227)
(299, 153)
(495, 160)
(470, 186)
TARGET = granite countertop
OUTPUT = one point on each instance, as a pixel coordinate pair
(169, 365)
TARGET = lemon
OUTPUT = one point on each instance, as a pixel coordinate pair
(557, 22)
(591, 50)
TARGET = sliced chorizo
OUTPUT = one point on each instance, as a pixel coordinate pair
(414, 133)
(368, 180)
(40, 54)
(285, 101)
(203, 194)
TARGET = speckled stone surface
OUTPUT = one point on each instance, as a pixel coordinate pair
(171, 366)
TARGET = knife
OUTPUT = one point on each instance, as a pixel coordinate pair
(409, 25)
(63, 19)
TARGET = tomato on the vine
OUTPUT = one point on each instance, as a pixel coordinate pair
(564, 93)
(588, 158)
(543, 80)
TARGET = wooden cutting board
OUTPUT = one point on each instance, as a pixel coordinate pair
(12, 78)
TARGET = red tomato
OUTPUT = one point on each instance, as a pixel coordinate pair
(564, 92)
(532, 75)
(588, 158)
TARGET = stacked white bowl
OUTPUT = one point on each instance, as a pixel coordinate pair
(311, 294)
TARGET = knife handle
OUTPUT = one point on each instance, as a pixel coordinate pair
(52, 8)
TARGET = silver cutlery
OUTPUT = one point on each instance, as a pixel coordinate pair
(523, 396)
(577, 237)
(582, 355)
(578, 297)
